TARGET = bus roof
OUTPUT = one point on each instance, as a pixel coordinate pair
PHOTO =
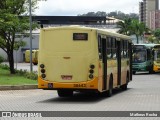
(147, 45)
(105, 31)
(99, 31)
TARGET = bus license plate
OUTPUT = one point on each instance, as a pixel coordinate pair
(66, 77)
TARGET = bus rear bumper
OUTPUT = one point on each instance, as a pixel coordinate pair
(49, 85)
(156, 68)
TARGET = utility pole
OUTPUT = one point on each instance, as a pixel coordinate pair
(30, 20)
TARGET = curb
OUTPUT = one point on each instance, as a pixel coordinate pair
(18, 87)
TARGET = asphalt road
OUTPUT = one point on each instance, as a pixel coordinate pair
(143, 94)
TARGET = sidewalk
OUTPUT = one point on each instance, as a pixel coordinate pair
(18, 87)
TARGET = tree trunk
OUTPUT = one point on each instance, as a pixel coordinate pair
(11, 62)
(137, 39)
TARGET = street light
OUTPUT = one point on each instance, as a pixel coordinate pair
(30, 20)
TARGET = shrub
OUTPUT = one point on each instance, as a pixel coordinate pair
(31, 75)
(21, 72)
(25, 73)
(6, 67)
(1, 59)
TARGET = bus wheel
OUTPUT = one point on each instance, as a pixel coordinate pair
(134, 72)
(109, 92)
(124, 87)
(65, 93)
(151, 72)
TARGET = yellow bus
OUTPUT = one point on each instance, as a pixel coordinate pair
(75, 58)
(34, 56)
(146, 57)
(27, 56)
(156, 59)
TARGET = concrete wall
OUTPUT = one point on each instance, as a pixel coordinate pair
(3, 54)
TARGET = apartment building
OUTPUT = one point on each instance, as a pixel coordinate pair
(146, 8)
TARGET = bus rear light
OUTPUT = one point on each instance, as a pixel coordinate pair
(91, 71)
(91, 76)
(43, 70)
(42, 66)
(43, 75)
(92, 66)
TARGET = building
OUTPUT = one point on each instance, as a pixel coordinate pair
(154, 19)
(142, 11)
(145, 8)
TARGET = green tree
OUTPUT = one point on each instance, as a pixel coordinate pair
(132, 27)
(115, 14)
(157, 34)
(151, 39)
(124, 26)
(11, 24)
(138, 29)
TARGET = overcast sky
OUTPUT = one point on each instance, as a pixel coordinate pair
(75, 7)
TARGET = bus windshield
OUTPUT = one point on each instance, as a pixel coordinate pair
(139, 56)
(157, 55)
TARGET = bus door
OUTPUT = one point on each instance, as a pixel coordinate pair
(119, 62)
(102, 44)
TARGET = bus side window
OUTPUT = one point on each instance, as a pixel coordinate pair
(122, 52)
(114, 48)
(128, 49)
(149, 54)
(125, 48)
(109, 46)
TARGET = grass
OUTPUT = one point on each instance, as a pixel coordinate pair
(8, 79)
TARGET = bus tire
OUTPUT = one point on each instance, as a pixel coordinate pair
(151, 71)
(65, 93)
(110, 91)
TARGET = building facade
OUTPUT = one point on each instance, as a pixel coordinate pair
(154, 19)
(145, 8)
(142, 11)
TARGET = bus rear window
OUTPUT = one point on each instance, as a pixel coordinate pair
(80, 36)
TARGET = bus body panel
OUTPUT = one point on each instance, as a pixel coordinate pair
(27, 56)
(156, 52)
(67, 62)
(45, 84)
(34, 56)
(124, 70)
(71, 59)
(156, 66)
